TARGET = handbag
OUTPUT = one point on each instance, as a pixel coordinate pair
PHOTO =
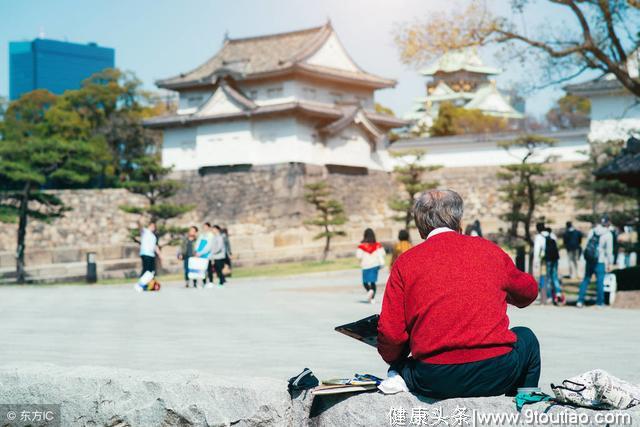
(226, 270)
(597, 389)
(197, 267)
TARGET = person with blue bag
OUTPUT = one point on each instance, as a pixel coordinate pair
(598, 256)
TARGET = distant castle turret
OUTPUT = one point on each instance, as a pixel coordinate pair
(461, 78)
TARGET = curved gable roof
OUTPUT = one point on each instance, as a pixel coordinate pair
(262, 55)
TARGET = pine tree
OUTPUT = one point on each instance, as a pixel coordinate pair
(32, 158)
(525, 187)
(149, 179)
(410, 175)
(329, 214)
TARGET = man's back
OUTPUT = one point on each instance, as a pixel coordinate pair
(572, 239)
(454, 290)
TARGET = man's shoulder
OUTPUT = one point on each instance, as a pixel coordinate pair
(461, 241)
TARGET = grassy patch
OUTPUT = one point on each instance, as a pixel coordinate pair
(292, 268)
(267, 270)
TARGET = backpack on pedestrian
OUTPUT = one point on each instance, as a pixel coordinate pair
(551, 253)
(591, 250)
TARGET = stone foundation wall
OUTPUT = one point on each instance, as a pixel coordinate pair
(264, 209)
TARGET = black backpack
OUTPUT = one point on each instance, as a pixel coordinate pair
(551, 252)
(591, 250)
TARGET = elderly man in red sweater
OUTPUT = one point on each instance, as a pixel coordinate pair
(444, 325)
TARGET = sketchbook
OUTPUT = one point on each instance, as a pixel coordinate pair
(365, 330)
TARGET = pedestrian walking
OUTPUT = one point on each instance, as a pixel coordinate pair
(572, 239)
(149, 249)
(218, 254)
(551, 258)
(545, 254)
(473, 229)
(227, 248)
(403, 245)
(598, 256)
(371, 255)
(187, 250)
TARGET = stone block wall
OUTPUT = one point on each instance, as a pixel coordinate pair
(264, 209)
(94, 223)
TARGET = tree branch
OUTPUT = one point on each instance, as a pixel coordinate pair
(508, 35)
(606, 12)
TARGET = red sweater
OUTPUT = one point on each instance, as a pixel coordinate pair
(446, 301)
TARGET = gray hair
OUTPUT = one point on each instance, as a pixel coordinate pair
(438, 208)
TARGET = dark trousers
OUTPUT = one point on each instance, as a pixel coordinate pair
(370, 286)
(218, 265)
(148, 263)
(209, 272)
(491, 377)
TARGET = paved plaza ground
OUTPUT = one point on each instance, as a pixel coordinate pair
(266, 327)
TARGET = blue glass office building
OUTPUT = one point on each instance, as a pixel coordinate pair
(54, 65)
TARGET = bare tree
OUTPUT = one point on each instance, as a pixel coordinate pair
(605, 34)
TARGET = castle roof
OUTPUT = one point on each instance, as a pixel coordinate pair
(607, 83)
(341, 114)
(460, 60)
(624, 167)
(489, 100)
(253, 58)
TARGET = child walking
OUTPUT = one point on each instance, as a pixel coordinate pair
(371, 256)
(403, 245)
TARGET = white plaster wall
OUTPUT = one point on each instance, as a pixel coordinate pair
(489, 154)
(219, 103)
(351, 148)
(614, 106)
(256, 142)
(614, 117)
(179, 148)
(332, 93)
(332, 54)
(269, 141)
(304, 89)
(272, 92)
(224, 143)
(185, 106)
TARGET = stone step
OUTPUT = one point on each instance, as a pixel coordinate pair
(73, 271)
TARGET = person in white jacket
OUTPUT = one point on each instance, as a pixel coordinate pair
(371, 255)
(546, 278)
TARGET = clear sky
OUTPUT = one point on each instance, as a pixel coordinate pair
(160, 38)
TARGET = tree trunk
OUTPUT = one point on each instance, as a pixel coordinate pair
(22, 232)
(327, 243)
(529, 218)
(409, 213)
(407, 220)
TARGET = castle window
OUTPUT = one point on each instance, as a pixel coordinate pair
(194, 100)
(309, 92)
(274, 92)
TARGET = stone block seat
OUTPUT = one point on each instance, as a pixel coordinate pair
(118, 397)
